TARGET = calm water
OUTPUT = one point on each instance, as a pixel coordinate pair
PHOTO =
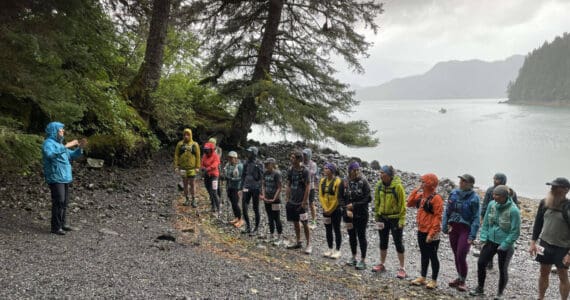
(530, 144)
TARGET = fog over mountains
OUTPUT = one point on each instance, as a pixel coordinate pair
(451, 80)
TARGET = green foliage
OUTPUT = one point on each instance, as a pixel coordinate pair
(20, 152)
(545, 75)
(299, 91)
(123, 148)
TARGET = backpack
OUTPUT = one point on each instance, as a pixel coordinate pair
(381, 186)
(564, 210)
(427, 207)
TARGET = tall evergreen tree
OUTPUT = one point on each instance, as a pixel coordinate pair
(272, 59)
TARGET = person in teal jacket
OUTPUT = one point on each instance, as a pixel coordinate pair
(499, 231)
(57, 158)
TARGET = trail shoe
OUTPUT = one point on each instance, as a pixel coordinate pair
(194, 203)
(309, 249)
(432, 284)
(455, 282)
(247, 230)
(313, 224)
(478, 291)
(379, 268)
(328, 253)
(68, 228)
(58, 232)
(462, 287)
(499, 296)
(352, 262)
(253, 232)
(296, 245)
(361, 265)
(336, 254)
(401, 273)
(186, 202)
(418, 281)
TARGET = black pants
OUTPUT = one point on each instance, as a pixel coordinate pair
(335, 217)
(234, 200)
(214, 200)
(358, 230)
(274, 219)
(485, 256)
(428, 253)
(391, 226)
(59, 200)
(254, 196)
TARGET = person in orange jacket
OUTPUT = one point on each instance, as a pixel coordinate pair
(210, 166)
(430, 213)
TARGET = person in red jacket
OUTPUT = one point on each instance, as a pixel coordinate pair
(430, 212)
(210, 167)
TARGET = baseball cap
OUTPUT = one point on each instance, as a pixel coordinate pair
(233, 154)
(560, 181)
(467, 178)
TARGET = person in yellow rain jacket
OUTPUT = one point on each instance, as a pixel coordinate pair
(187, 164)
(390, 216)
(331, 191)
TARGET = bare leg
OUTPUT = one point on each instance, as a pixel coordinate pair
(543, 280)
(564, 284)
(401, 259)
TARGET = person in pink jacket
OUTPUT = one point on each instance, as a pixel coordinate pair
(210, 167)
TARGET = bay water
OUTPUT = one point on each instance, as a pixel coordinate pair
(530, 144)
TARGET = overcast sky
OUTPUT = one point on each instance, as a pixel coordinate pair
(416, 34)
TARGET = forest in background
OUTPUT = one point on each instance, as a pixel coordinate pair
(544, 77)
(130, 75)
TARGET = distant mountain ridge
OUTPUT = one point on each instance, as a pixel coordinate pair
(451, 80)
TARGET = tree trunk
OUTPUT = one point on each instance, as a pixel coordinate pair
(247, 110)
(146, 81)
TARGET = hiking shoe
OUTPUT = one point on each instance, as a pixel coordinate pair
(462, 287)
(499, 296)
(336, 254)
(247, 230)
(455, 282)
(432, 284)
(253, 232)
(309, 249)
(313, 224)
(277, 242)
(379, 268)
(361, 265)
(478, 291)
(352, 262)
(296, 245)
(68, 228)
(194, 203)
(418, 281)
(328, 253)
(401, 273)
(186, 202)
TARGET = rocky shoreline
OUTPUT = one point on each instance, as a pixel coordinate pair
(137, 241)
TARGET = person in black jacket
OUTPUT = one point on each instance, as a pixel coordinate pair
(251, 187)
(357, 196)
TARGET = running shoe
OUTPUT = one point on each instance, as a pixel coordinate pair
(418, 281)
(361, 265)
(455, 282)
(432, 284)
(401, 273)
(478, 291)
(313, 224)
(296, 245)
(379, 268)
(352, 262)
(499, 296)
(328, 253)
(194, 203)
(462, 287)
(309, 249)
(336, 254)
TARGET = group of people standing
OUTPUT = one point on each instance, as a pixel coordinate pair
(346, 200)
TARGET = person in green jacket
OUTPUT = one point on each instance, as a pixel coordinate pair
(500, 230)
(390, 216)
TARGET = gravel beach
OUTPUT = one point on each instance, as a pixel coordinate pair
(136, 240)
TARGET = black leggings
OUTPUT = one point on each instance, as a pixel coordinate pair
(358, 230)
(485, 256)
(59, 200)
(273, 216)
(335, 219)
(428, 253)
(391, 225)
(209, 183)
(253, 195)
(234, 199)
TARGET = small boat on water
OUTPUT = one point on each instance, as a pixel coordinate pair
(442, 110)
